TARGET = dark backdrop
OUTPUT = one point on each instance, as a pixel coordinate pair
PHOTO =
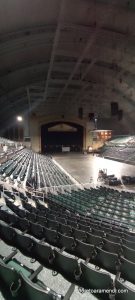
(53, 141)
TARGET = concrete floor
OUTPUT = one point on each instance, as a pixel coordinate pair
(83, 167)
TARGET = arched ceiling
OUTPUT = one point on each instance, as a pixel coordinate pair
(58, 55)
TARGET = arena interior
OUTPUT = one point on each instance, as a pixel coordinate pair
(67, 149)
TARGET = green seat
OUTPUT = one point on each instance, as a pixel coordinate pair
(66, 242)
(113, 238)
(8, 275)
(7, 233)
(128, 253)
(43, 253)
(95, 279)
(24, 243)
(18, 282)
(129, 294)
(128, 244)
(83, 250)
(93, 239)
(18, 267)
(127, 270)
(130, 238)
(79, 234)
(33, 291)
(67, 266)
(111, 246)
(106, 260)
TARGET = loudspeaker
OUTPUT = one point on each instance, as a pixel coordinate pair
(120, 114)
(114, 108)
(91, 116)
(80, 112)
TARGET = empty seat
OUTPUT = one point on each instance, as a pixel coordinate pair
(52, 224)
(51, 236)
(95, 279)
(7, 234)
(128, 253)
(97, 232)
(24, 243)
(23, 224)
(7, 275)
(66, 242)
(30, 290)
(79, 234)
(129, 237)
(84, 228)
(37, 230)
(41, 220)
(93, 239)
(127, 270)
(111, 246)
(128, 244)
(113, 238)
(31, 216)
(67, 266)
(65, 229)
(106, 260)
(120, 286)
(43, 253)
(83, 250)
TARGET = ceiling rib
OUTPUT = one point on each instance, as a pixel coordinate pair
(89, 44)
(55, 43)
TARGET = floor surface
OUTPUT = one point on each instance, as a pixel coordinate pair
(83, 167)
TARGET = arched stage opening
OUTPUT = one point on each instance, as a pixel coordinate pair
(61, 136)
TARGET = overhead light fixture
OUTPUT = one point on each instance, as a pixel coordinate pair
(19, 118)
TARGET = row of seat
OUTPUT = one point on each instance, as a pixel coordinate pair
(112, 204)
(79, 273)
(55, 208)
(73, 244)
(75, 220)
(19, 282)
(37, 171)
(126, 153)
(71, 226)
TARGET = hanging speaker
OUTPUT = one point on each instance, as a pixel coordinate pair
(91, 116)
(80, 112)
(114, 108)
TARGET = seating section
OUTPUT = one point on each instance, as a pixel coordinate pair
(90, 250)
(19, 282)
(8, 148)
(122, 149)
(33, 170)
(102, 202)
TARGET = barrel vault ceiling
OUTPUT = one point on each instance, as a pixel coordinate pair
(59, 55)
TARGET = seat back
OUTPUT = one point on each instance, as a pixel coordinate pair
(32, 291)
(128, 253)
(127, 270)
(129, 293)
(66, 266)
(8, 275)
(83, 250)
(106, 260)
(94, 279)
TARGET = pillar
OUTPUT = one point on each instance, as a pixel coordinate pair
(35, 134)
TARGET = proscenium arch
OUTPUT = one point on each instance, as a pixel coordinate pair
(52, 141)
(36, 123)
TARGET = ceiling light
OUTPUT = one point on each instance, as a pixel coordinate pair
(19, 118)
